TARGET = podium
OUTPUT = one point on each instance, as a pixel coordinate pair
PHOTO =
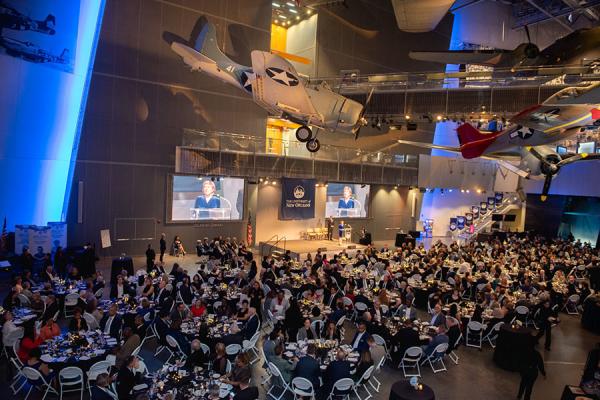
(348, 233)
(210, 213)
(347, 212)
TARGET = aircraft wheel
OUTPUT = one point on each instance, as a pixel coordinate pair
(313, 145)
(597, 122)
(303, 134)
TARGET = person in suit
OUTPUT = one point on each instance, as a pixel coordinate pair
(359, 341)
(338, 369)
(111, 322)
(309, 368)
(150, 258)
(175, 332)
(163, 246)
(346, 201)
(407, 311)
(51, 307)
(546, 318)
(438, 339)
(531, 363)
(251, 325)
(127, 378)
(100, 390)
(330, 228)
(403, 339)
(131, 342)
(306, 332)
(208, 199)
(197, 358)
(275, 337)
(438, 317)
(180, 313)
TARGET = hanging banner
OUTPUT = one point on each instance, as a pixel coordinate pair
(475, 211)
(483, 207)
(452, 224)
(21, 238)
(460, 222)
(498, 198)
(59, 235)
(297, 198)
(491, 203)
(40, 236)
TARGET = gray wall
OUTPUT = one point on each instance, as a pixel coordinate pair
(141, 98)
(344, 46)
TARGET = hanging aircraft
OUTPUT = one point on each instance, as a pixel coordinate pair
(580, 48)
(274, 84)
(528, 137)
(12, 19)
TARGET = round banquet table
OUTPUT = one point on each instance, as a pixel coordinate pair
(590, 318)
(402, 390)
(510, 345)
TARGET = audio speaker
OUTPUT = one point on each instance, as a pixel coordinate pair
(351, 247)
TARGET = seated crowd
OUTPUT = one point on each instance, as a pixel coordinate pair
(211, 319)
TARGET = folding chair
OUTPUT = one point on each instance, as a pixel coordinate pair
(359, 309)
(437, 356)
(70, 379)
(474, 331)
(453, 356)
(70, 303)
(411, 359)
(318, 327)
(571, 304)
(19, 378)
(37, 380)
(341, 388)
(233, 350)
(172, 347)
(277, 374)
(101, 367)
(522, 314)
(303, 388)
(362, 383)
(493, 334)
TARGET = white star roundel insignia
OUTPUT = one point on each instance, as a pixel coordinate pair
(282, 77)
(523, 133)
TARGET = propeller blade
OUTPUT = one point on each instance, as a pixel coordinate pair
(536, 154)
(527, 33)
(546, 188)
(572, 159)
(360, 122)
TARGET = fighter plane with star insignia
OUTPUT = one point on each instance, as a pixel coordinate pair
(526, 147)
(274, 84)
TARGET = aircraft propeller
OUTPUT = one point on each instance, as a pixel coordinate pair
(361, 121)
(551, 166)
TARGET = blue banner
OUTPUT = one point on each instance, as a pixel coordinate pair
(491, 203)
(452, 224)
(499, 197)
(475, 211)
(483, 207)
(460, 222)
(297, 198)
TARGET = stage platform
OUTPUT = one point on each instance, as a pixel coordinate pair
(299, 248)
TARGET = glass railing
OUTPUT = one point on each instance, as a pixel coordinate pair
(252, 145)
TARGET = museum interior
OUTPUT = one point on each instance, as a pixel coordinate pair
(300, 199)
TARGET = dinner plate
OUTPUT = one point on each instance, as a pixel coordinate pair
(46, 358)
(216, 376)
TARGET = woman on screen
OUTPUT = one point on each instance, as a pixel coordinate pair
(346, 202)
(208, 199)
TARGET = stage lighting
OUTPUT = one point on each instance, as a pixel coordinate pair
(479, 191)
(274, 182)
(462, 190)
(439, 117)
(449, 190)
(468, 191)
(407, 116)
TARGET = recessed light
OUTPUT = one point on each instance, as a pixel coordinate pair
(309, 11)
(276, 4)
(282, 17)
(293, 11)
(297, 17)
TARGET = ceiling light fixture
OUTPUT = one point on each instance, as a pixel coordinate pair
(276, 5)
(293, 11)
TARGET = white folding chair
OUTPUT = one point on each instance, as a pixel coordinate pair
(101, 367)
(232, 350)
(474, 332)
(172, 348)
(23, 300)
(362, 382)
(92, 322)
(453, 356)
(19, 378)
(216, 305)
(318, 327)
(340, 326)
(411, 359)
(284, 385)
(437, 356)
(228, 367)
(37, 380)
(303, 388)
(70, 379)
(142, 368)
(359, 310)
(381, 342)
(249, 346)
(493, 334)
(341, 388)
(99, 293)
(70, 303)
(522, 314)
(267, 377)
(571, 304)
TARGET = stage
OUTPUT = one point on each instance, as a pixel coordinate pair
(299, 248)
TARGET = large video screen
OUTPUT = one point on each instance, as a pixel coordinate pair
(207, 198)
(347, 200)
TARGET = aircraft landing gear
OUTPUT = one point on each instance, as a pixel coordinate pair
(313, 145)
(303, 134)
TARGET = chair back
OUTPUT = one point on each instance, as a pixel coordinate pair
(71, 299)
(233, 349)
(367, 374)
(522, 310)
(378, 339)
(205, 349)
(92, 323)
(360, 306)
(101, 367)
(302, 387)
(318, 326)
(341, 321)
(574, 298)
(474, 326)
(33, 376)
(413, 354)
(172, 342)
(23, 300)
(439, 350)
(70, 376)
(217, 304)
(347, 301)
(342, 386)
(99, 293)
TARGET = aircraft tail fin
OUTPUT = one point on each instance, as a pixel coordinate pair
(203, 39)
(472, 141)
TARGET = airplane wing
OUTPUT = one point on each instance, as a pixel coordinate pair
(479, 57)
(503, 159)
(278, 88)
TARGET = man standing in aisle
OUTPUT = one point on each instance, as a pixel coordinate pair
(341, 232)
(330, 228)
(150, 258)
(163, 246)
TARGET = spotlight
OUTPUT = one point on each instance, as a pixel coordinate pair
(407, 116)
(479, 191)
(274, 182)
(396, 187)
(439, 117)
(462, 190)
(468, 191)
(260, 180)
(309, 11)
(449, 190)
(297, 17)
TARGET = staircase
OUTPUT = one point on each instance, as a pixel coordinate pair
(508, 204)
